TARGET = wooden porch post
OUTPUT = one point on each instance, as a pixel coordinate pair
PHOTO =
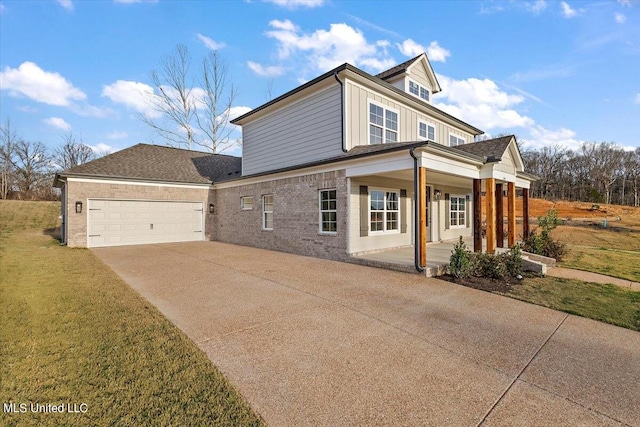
(511, 213)
(422, 186)
(525, 212)
(477, 215)
(490, 190)
(499, 216)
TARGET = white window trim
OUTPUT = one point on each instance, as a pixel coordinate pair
(420, 87)
(464, 140)
(320, 211)
(428, 124)
(384, 220)
(242, 204)
(384, 126)
(463, 197)
(264, 212)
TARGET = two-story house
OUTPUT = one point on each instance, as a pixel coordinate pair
(345, 164)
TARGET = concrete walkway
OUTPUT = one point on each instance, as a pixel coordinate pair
(317, 342)
(587, 276)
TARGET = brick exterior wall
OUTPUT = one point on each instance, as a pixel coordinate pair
(296, 218)
(81, 191)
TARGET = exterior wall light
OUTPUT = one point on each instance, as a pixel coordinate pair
(212, 208)
(437, 194)
(78, 207)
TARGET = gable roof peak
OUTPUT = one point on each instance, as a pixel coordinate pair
(404, 68)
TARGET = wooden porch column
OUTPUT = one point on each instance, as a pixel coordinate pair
(525, 212)
(499, 216)
(422, 200)
(477, 215)
(511, 213)
(490, 190)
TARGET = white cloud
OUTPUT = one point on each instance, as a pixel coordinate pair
(542, 137)
(210, 43)
(411, 48)
(620, 18)
(102, 148)
(625, 2)
(482, 103)
(235, 112)
(637, 99)
(57, 122)
(294, 4)
(117, 135)
(268, 71)
(33, 82)
(327, 49)
(134, 95)
(437, 53)
(567, 11)
(67, 4)
(537, 6)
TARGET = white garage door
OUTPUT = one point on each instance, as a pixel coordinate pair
(135, 222)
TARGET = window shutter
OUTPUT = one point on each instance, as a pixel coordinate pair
(364, 211)
(447, 211)
(468, 212)
(403, 211)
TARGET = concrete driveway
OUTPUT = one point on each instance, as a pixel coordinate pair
(316, 342)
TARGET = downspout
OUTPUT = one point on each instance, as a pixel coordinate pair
(416, 213)
(335, 74)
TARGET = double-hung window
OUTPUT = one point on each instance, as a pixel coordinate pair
(426, 131)
(328, 211)
(267, 212)
(383, 124)
(457, 211)
(424, 93)
(419, 91)
(384, 210)
(455, 140)
(414, 88)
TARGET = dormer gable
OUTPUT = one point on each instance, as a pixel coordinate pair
(415, 76)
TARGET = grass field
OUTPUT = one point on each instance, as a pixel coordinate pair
(73, 332)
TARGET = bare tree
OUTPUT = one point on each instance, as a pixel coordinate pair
(8, 140)
(217, 99)
(190, 114)
(72, 152)
(173, 99)
(33, 169)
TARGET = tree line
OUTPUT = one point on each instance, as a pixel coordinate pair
(27, 168)
(596, 172)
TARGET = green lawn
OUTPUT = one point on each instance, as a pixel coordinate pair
(611, 262)
(606, 303)
(73, 332)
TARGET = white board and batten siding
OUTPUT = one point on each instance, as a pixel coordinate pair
(358, 98)
(308, 130)
(136, 222)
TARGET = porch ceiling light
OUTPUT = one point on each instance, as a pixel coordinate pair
(437, 194)
(78, 207)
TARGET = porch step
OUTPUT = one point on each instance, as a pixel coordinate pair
(533, 262)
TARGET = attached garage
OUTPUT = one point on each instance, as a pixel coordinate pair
(136, 222)
(144, 194)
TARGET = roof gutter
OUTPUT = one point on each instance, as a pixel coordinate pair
(335, 75)
(416, 208)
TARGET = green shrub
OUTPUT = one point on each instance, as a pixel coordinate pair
(460, 260)
(513, 261)
(489, 265)
(542, 243)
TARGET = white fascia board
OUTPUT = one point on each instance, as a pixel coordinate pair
(384, 165)
(140, 183)
(437, 163)
(522, 183)
(490, 171)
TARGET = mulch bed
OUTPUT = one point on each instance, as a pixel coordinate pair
(483, 283)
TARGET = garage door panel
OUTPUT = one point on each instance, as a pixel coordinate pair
(127, 222)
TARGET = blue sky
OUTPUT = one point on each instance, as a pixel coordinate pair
(550, 72)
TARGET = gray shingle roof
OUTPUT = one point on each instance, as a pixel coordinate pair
(400, 68)
(158, 163)
(490, 150)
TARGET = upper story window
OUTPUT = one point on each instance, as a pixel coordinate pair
(426, 131)
(383, 124)
(419, 91)
(246, 203)
(455, 140)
